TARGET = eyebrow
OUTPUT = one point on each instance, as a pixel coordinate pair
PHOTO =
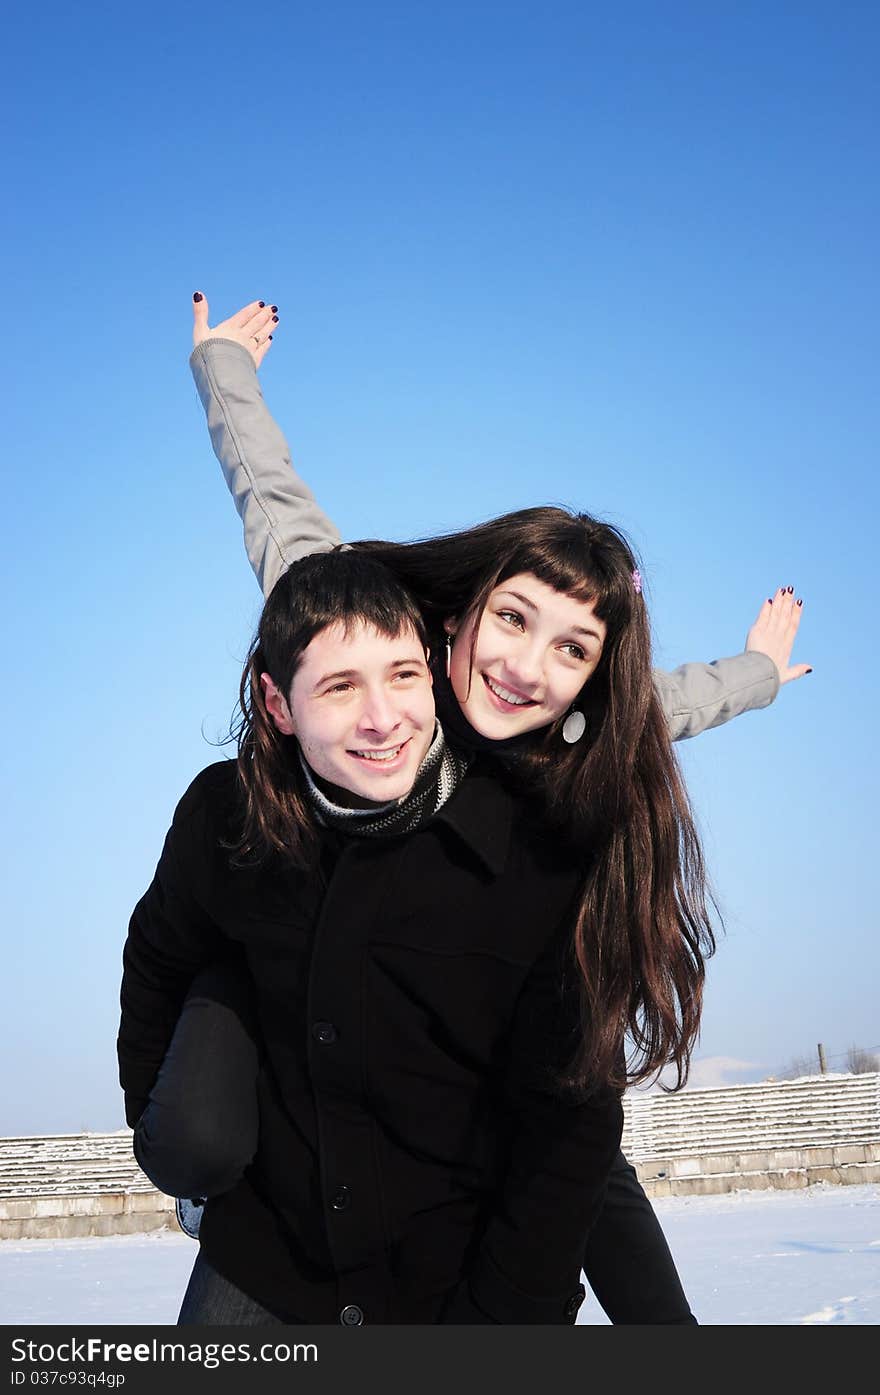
(572, 629)
(349, 673)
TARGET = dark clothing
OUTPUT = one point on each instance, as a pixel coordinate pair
(416, 1158)
(211, 1300)
(627, 1262)
(201, 1128)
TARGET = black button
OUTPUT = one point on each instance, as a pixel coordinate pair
(324, 1032)
(341, 1199)
(351, 1316)
(575, 1301)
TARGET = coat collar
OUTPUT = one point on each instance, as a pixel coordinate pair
(481, 814)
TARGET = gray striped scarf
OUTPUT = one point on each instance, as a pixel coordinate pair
(437, 779)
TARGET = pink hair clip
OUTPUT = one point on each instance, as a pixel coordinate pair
(637, 581)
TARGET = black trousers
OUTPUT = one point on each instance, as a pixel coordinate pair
(200, 1131)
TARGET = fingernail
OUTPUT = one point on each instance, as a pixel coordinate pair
(790, 589)
(262, 304)
(274, 319)
(809, 670)
(769, 600)
(274, 308)
(270, 336)
(197, 296)
(800, 602)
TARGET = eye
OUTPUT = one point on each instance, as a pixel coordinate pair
(408, 673)
(338, 688)
(575, 651)
(511, 617)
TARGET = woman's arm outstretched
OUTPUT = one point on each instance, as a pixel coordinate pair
(283, 521)
(281, 517)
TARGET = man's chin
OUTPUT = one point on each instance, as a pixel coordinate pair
(379, 791)
(381, 787)
(373, 782)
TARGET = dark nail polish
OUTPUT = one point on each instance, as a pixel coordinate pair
(790, 590)
(197, 296)
(809, 670)
(800, 602)
(769, 600)
(262, 304)
(274, 308)
(274, 319)
(270, 336)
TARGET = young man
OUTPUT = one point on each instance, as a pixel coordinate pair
(405, 923)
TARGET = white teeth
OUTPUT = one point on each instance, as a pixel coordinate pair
(507, 696)
(379, 755)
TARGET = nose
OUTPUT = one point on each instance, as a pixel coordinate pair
(526, 665)
(379, 716)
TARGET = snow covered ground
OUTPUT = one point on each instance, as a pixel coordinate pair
(809, 1257)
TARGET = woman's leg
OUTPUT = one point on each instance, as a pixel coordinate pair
(212, 1300)
(199, 1131)
(627, 1262)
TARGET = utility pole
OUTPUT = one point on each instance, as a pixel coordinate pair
(823, 1064)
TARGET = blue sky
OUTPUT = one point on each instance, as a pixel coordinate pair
(618, 257)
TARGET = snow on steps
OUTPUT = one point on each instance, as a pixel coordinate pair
(781, 1134)
(76, 1184)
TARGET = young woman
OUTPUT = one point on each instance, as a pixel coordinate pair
(525, 617)
(427, 1149)
(282, 521)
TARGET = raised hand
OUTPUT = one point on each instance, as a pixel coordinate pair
(774, 630)
(252, 326)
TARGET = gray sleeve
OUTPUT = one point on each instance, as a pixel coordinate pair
(697, 697)
(281, 517)
(283, 521)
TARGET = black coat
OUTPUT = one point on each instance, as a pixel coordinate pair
(417, 1161)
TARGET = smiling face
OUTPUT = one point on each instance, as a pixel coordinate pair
(362, 709)
(535, 649)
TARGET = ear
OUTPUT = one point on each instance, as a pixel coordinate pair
(276, 705)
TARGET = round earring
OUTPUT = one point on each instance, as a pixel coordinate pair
(449, 642)
(574, 726)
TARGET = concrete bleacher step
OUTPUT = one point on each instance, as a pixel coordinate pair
(781, 1134)
(69, 1185)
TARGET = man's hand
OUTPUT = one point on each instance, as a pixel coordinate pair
(774, 631)
(252, 326)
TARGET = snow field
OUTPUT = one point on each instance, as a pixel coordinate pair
(793, 1258)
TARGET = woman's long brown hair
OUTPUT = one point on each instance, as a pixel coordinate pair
(643, 930)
